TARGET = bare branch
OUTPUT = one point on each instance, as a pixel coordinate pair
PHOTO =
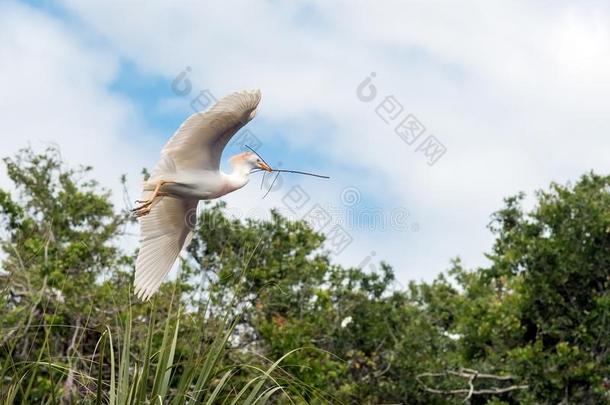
(471, 385)
(471, 376)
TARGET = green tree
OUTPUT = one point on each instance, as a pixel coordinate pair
(539, 312)
(61, 262)
(560, 256)
(531, 327)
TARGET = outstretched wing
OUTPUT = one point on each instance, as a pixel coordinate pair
(163, 233)
(200, 140)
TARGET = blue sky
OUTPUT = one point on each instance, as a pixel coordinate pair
(515, 92)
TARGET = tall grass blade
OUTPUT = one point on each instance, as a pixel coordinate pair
(212, 356)
(112, 399)
(244, 389)
(264, 397)
(141, 393)
(100, 371)
(123, 382)
(166, 357)
(219, 387)
(261, 383)
(170, 357)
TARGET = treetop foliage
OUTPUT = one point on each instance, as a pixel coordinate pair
(532, 327)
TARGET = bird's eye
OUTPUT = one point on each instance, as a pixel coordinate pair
(258, 160)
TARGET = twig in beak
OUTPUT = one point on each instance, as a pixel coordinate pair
(259, 156)
(292, 171)
(272, 183)
(277, 171)
(299, 172)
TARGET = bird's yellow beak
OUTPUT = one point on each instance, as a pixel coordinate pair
(265, 166)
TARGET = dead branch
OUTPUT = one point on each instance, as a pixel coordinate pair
(471, 376)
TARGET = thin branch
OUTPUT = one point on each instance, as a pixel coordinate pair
(471, 376)
(471, 385)
(272, 184)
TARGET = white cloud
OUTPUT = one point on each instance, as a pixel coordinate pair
(516, 91)
(56, 92)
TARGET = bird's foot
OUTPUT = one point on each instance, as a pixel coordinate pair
(144, 203)
(141, 211)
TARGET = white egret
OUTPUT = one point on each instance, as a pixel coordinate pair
(189, 171)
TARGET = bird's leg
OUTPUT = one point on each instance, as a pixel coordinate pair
(159, 194)
(146, 205)
(154, 194)
(145, 209)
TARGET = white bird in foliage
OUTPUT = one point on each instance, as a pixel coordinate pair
(189, 171)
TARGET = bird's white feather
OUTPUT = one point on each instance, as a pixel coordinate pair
(200, 140)
(163, 234)
(191, 156)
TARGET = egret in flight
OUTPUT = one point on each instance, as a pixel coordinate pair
(189, 171)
